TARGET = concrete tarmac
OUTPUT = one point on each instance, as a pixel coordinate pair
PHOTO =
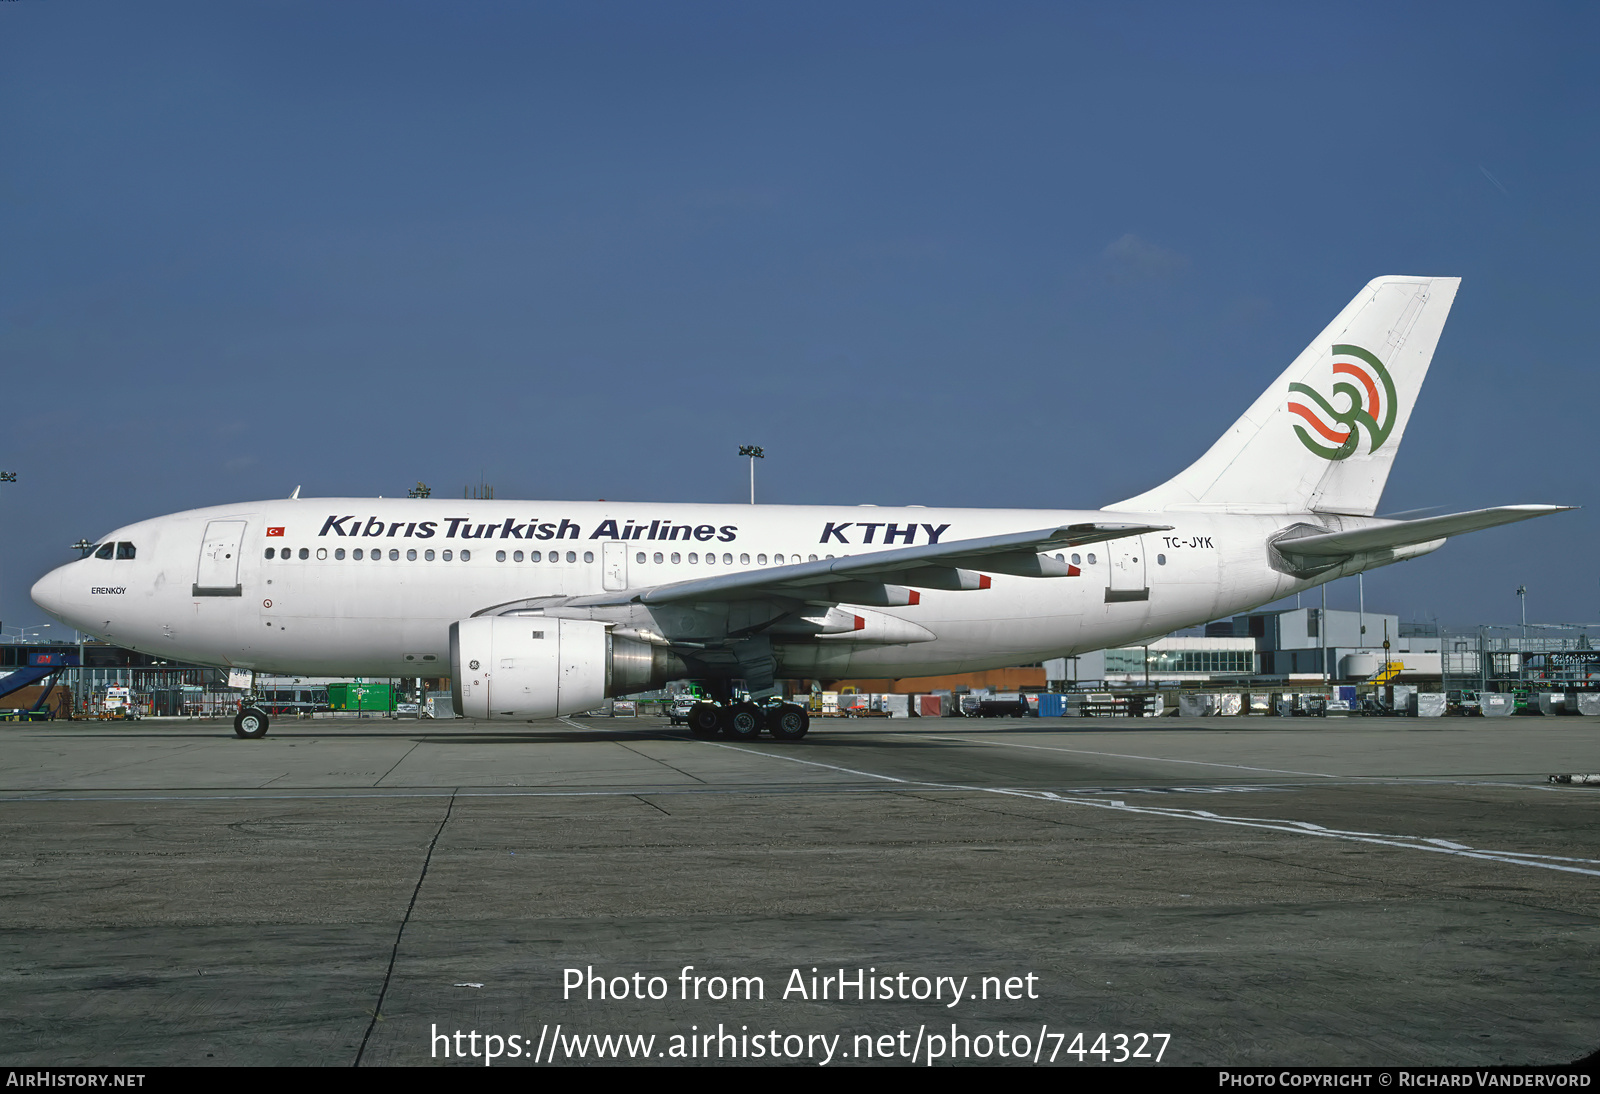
(1245, 891)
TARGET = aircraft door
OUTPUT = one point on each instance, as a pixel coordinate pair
(1127, 569)
(614, 565)
(218, 573)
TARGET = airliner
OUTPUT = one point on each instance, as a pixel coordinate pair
(537, 609)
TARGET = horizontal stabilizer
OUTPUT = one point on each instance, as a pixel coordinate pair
(1407, 532)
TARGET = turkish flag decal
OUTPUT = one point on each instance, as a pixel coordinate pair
(274, 531)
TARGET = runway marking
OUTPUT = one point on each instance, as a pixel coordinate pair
(354, 793)
(1299, 828)
(1154, 759)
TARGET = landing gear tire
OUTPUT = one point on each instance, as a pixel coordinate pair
(250, 722)
(705, 720)
(789, 723)
(744, 722)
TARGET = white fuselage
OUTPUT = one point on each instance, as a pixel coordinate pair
(309, 610)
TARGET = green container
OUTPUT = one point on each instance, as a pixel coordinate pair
(348, 696)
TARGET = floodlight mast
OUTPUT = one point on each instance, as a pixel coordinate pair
(11, 476)
(755, 453)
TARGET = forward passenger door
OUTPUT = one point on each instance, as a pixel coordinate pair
(218, 571)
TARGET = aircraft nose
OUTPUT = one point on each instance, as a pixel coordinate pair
(49, 593)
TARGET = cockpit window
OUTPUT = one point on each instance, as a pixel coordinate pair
(125, 550)
(105, 550)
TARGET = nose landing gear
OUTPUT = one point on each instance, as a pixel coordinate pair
(251, 722)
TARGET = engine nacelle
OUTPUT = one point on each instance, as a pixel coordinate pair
(518, 666)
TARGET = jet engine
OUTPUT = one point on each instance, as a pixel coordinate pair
(519, 666)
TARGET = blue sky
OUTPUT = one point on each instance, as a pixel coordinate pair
(989, 255)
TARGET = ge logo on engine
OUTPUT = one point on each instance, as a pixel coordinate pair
(472, 664)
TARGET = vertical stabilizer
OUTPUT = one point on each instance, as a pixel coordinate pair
(1323, 437)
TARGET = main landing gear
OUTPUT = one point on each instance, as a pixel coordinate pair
(251, 722)
(745, 721)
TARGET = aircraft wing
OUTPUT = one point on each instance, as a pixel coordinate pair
(960, 564)
(1407, 532)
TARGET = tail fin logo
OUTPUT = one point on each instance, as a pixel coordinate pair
(1368, 411)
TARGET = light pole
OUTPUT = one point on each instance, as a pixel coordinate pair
(1361, 606)
(9, 476)
(755, 453)
(1322, 633)
(1522, 653)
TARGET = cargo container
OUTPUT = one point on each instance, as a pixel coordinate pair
(1427, 704)
(1496, 704)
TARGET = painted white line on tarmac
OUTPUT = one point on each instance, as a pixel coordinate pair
(1590, 867)
(1153, 759)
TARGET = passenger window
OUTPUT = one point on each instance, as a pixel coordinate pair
(466, 556)
(588, 556)
(357, 555)
(106, 550)
(744, 560)
(811, 558)
(676, 558)
(1077, 560)
(305, 552)
(338, 552)
(427, 556)
(1091, 559)
(394, 554)
(535, 556)
(125, 550)
(446, 556)
(499, 556)
(711, 559)
(694, 559)
(322, 553)
(727, 560)
(639, 558)
(1161, 560)
(660, 558)
(411, 555)
(761, 560)
(516, 556)
(271, 551)
(572, 556)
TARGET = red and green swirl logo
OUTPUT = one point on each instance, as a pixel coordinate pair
(1367, 406)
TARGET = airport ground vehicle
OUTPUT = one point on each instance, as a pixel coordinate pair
(683, 703)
